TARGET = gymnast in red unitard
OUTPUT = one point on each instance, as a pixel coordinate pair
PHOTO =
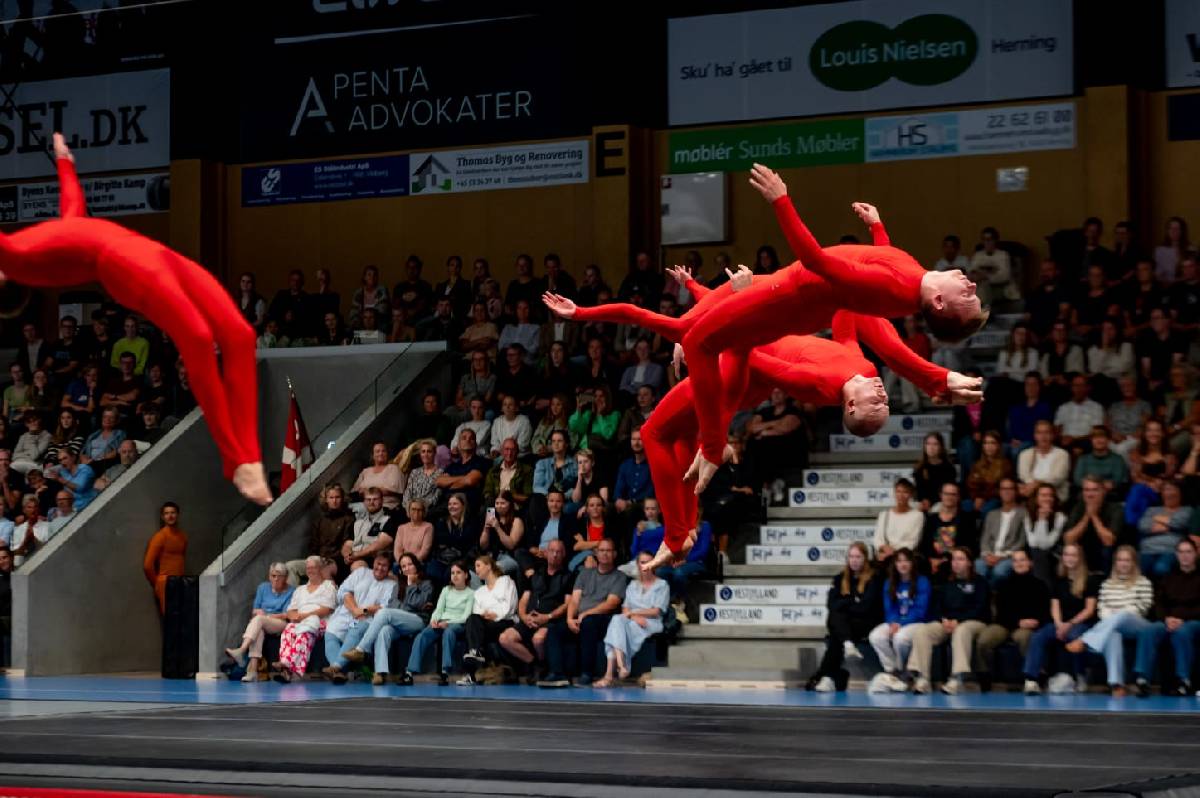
(809, 369)
(175, 294)
(800, 299)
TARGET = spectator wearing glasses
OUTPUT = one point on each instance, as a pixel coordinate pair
(594, 601)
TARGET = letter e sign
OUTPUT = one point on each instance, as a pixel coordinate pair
(610, 153)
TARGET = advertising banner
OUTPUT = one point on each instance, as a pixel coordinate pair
(782, 146)
(325, 181)
(119, 195)
(854, 477)
(762, 616)
(113, 122)
(1183, 43)
(840, 497)
(487, 169)
(844, 534)
(795, 555)
(896, 442)
(982, 131)
(760, 595)
(924, 422)
(864, 56)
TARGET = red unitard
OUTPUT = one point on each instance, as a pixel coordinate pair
(175, 294)
(809, 369)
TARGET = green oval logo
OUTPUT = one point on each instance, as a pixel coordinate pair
(922, 51)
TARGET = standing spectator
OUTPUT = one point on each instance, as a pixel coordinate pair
(465, 474)
(495, 611)
(932, 471)
(414, 537)
(1072, 612)
(1049, 302)
(1094, 524)
(1174, 248)
(952, 257)
(1161, 528)
(369, 294)
(1003, 534)
(1125, 599)
(364, 594)
(165, 554)
(455, 287)
(250, 303)
(454, 606)
(641, 618)
(898, 527)
(267, 616)
(947, 525)
(1177, 607)
(312, 603)
(381, 474)
(962, 607)
(855, 605)
(1076, 419)
(1024, 416)
(594, 601)
(132, 342)
(1044, 463)
(1104, 463)
(1022, 607)
(991, 269)
(510, 426)
(509, 475)
(906, 596)
(480, 337)
(412, 293)
(543, 603)
(983, 482)
(1045, 524)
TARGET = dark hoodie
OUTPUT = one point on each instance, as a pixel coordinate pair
(963, 600)
(1178, 595)
(1019, 597)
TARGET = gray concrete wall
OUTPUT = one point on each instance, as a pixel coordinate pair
(227, 586)
(82, 604)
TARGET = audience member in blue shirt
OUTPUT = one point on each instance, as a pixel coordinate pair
(269, 616)
(77, 479)
(558, 469)
(1023, 416)
(633, 477)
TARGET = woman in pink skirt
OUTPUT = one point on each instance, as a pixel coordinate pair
(311, 604)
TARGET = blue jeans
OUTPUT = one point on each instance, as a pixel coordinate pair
(1044, 637)
(427, 638)
(1108, 638)
(679, 576)
(997, 574)
(335, 647)
(1183, 641)
(1156, 566)
(385, 627)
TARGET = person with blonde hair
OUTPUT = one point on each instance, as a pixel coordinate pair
(418, 463)
(1125, 600)
(1072, 612)
(855, 607)
(495, 611)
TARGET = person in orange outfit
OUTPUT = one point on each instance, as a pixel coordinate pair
(174, 293)
(165, 554)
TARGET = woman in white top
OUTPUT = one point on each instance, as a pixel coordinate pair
(382, 474)
(510, 424)
(311, 605)
(899, 527)
(641, 617)
(1174, 246)
(1018, 358)
(1107, 361)
(1125, 600)
(1044, 524)
(495, 610)
(1044, 463)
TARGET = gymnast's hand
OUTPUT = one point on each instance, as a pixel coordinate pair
(677, 360)
(740, 280)
(680, 274)
(61, 151)
(560, 305)
(867, 212)
(964, 390)
(767, 182)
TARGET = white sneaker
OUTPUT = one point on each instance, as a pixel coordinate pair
(880, 684)
(1060, 684)
(952, 686)
(826, 685)
(1032, 687)
(250, 677)
(1081, 684)
(921, 686)
(850, 651)
(467, 681)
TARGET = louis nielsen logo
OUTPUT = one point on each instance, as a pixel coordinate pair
(923, 51)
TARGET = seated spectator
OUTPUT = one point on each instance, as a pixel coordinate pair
(509, 475)
(562, 335)
(633, 418)
(543, 603)
(1108, 360)
(332, 529)
(592, 605)
(1158, 349)
(31, 447)
(523, 332)
(1150, 463)
(480, 338)
(1174, 248)
(383, 475)
(948, 524)
(100, 449)
(558, 470)
(133, 343)
(962, 609)
(594, 424)
(272, 338)
(432, 423)
(416, 536)
(441, 326)
(123, 391)
(899, 527)
(557, 382)
(1179, 409)
(1104, 463)
(1023, 416)
(495, 611)
(311, 605)
(447, 623)
(290, 305)
(594, 531)
(1060, 359)
(478, 424)
(1003, 533)
(510, 425)
(1045, 524)
(83, 394)
(1177, 607)
(633, 478)
(776, 441)
(1016, 360)
(648, 534)
(364, 594)
(1093, 305)
(491, 296)
(1127, 415)
(587, 482)
(983, 481)
(478, 383)
(333, 331)
(1044, 463)
(1022, 607)
(1185, 297)
(1095, 524)
(374, 531)
(76, 478)
(693, 567)
(455, 287)
(62, 514)
(503, 531)
(413, 293)
(128, 454)
(1072, 612)
(1075, 419)
(516, 379)
(967, 430)
(1125, 600)
(557, 279)
(40, 488)
(1160, 528)
(543, 527)
(730, 498)
(268, 616)
(401, 331)
(421, 474)
(932, 471)
(906, 596)
(67, 434)
(165, 554)
(641, 618)
(952, 257)
(1140, 295)
(525, 287)
(466, 472)
(644, 371)
(991, 270)
(855, 605)
(11, 483)
(29, 532)
(590, 287)
(405, 615)
(455, 537)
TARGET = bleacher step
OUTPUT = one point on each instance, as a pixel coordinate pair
(725, 632)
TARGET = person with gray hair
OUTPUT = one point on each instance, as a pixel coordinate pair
(128, 454)
(268, 616)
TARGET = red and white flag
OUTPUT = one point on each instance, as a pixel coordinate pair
(297, 449)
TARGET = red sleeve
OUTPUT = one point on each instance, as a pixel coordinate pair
(696, 289)
(876, 280)
(879, 236)
(625, 313)
(808, 382)
(70, 194)
(845, 330)
(882, 338)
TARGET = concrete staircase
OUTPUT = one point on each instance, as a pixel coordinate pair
(763, 623)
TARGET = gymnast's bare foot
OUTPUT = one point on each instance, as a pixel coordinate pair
(251, 482)
(664, 555)
(61, 151)
(702, 471)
